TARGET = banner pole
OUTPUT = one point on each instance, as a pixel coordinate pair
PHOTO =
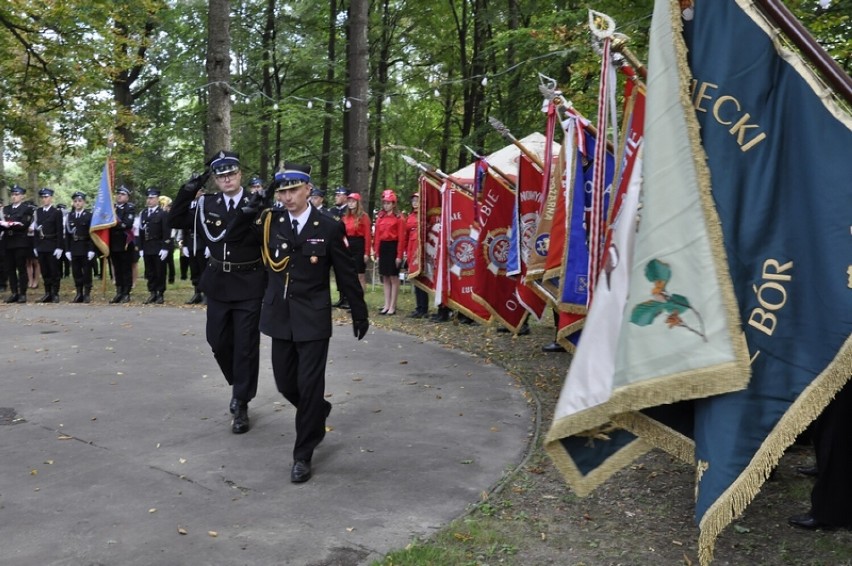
(828, 68)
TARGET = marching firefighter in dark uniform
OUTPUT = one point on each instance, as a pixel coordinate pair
(49, 231)
(234, 279)
(16, 220)
(301, 246)
(80, 250)
(154, 241)
(121, 247)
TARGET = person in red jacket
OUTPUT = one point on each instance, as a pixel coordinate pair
(389, 247)
(358, 234)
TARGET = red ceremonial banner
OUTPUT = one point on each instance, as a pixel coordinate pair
(492, 287)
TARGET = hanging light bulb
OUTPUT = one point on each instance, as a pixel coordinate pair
(437, 93)
(484, 81)
(387, 100)
(347, 104)
(275, 107)
(310, 104)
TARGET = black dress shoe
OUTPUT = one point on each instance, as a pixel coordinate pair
(807, 470)
(301, 471)
(13, 298)
(151, 298)
(553, 347)
(235, 403)
(807, 522)
(241, 424)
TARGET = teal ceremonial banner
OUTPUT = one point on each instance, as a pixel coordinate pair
(779, 151)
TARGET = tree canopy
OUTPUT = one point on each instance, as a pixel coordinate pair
(81, 73)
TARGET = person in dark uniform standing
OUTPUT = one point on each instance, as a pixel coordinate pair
(154, 238)
(121, 247)
(49, 231)
(341, 196)
(233, 281)
(194, 254)
(80, 250)
(300, 247)
(831, 497)
(16, 221)
(318, 201)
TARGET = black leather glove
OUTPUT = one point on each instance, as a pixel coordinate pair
(360, 327)
(255, 203)
(196, 182)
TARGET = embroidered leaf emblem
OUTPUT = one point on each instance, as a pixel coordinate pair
(657, 270)
(660, 273)
(645, 313)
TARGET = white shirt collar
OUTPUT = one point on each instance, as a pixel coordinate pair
(302, 218)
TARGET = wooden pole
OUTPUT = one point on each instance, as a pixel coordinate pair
(812, 51)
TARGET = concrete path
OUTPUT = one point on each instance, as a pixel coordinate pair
(115, 445)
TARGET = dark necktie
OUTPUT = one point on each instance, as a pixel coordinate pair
(295, 227)
(230, 206)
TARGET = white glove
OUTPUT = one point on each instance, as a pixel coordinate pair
(57, 253)
(90, 255)
(4, 224)
(163, 254)
(207, 253)
(35, 252)
(141, 253)
(184, 251)
(68, 256)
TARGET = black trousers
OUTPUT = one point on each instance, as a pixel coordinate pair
(197, 263)
(831, 497)
(16, 268)
(299, 370)
(122, 269)
(81, 269)
(155, 273)
(234, 336)
(51, 270)
(421, 300)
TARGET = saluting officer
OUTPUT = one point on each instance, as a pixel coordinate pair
(122, 250)
(233, 281)
(16, 221)
(154, 238)
(49, 232)
(80, 250)
(300, 247)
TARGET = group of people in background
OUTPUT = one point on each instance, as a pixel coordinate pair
(47, 242)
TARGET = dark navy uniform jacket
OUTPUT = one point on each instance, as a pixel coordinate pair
(121, 235)
(234, 271)
(154, 231)
(16, 236)
(77, 238)
(297, 302)
(49, 229)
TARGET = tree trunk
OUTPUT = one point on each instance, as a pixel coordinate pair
(268, 45)
(327, 122)
(218, 76)
(359, 167)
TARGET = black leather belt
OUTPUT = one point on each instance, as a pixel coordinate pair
(232, 266)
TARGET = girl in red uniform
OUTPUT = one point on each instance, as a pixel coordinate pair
(389, 247)
(358, 234)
